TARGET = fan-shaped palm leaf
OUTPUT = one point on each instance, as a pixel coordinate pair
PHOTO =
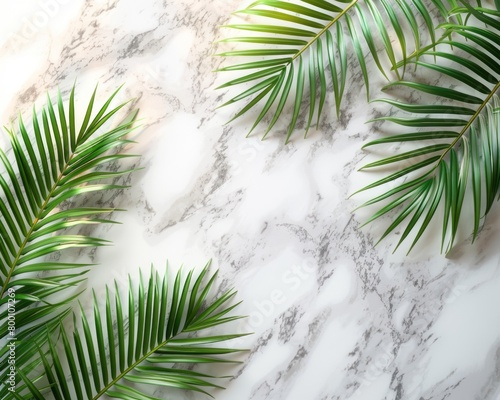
(120, 360)
(305, 37)
(458, 144)
(54, 164)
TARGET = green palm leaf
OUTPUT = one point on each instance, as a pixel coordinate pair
(54, 163)
(457, 158)
(121, 360)
(295, 43)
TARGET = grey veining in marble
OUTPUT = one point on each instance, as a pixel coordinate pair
(334, 317)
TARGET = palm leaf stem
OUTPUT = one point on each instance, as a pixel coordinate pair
(116, 379)
(469, 123)
(32, 227)
(325, 28)
(156, 317)
(422, 50)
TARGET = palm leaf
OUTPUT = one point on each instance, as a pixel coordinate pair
(121, 361)
(57, 162)
(456, 161)
(293, 44)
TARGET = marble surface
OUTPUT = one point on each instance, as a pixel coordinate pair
(334, 317)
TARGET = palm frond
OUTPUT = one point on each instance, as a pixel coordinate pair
(305, 38)
(456, 160)
(121, 360)
(53, 164)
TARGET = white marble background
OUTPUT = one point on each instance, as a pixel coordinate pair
(334, 317)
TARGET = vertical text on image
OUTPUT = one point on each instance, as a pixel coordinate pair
(11, 327)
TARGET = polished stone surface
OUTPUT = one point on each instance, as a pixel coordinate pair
(334, 317)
